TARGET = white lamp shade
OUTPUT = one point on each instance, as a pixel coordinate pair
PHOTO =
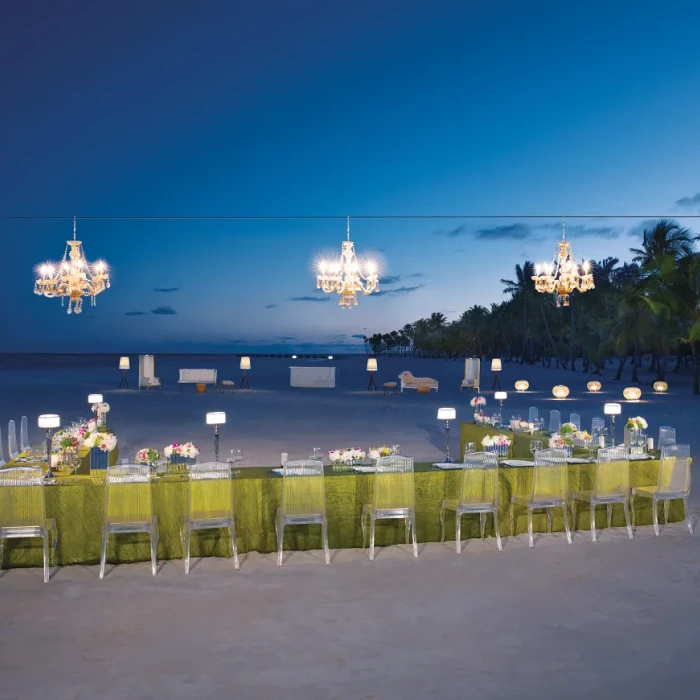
(372, 364)
(447, 413)
(496, 365)
(245, 363)
(94, 398)
(294, 357)
(124, 363)
(500, 395)
(50, 420)
(330, 357)
(216, 418)
(612, 409)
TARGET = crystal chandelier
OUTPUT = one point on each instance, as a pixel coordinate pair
(561, 277)
(345, 275)
(73, 278)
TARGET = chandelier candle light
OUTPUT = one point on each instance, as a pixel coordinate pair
(216, 418)
(345, 275)
(561, 277)
(49, 421)
(73, 278)
(447, 414)
(372, 368)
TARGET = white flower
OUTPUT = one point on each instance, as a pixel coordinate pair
(487, 441)
(168, 451)
(103, 441)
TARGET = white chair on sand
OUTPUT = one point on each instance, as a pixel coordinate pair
(394, 496)
(12, 440)
(472, 374)
(147, 370)
(2, 456)
(303, 501)
(550, 489)
(23, 435)
(612, 485)
(673, 483)
(479, 494)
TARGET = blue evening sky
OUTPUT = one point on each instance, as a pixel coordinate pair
(322, 108)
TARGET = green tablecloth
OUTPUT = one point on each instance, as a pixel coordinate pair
(77, 505)
(470, 432)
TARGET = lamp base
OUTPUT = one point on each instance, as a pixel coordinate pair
(244, 381)
(496, 383)
(372, 386)
(124, 383)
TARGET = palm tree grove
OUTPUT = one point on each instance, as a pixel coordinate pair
(646, 311)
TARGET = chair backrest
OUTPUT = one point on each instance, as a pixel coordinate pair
(12, 440)
(612, 476)
(303, 488)
(597, 424)
(472, 368)
(23, 435)
(2, 456)
(22, 497)
(393, 483)
(674, 469)
(147, 368)
(554, 421)
(533, 414)
(128, 494)
(551, 475)
(211, 491)
(667, 436)
(575, 418)
(479, 478)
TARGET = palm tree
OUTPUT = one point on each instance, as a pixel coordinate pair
(665, 239)
(522, 290)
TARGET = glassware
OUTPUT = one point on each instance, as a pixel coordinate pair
(397, 449)
(535, 445)
(469, 448)
(316, 454)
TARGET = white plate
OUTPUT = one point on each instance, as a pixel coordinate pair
(578, 460)
(365, 470)
(448, 465)
(518, 463)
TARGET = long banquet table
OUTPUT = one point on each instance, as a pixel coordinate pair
(77, 505)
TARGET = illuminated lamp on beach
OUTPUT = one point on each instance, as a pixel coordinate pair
(660, 387)
(594, 386)
(560, 391)
(522, 385)
(632, 393)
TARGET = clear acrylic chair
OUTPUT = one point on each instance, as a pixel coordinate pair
(129, 507)
(612, 485)
(12, 440)
(575, 418)
(533, 414)
(554, 421)
(23, 435)
(550, 485)
(667, 436)
(674, 482)
(479, 494)
(394, 497)
(2, 456)
(23, 510)
(210, 505)
(597, 424)
(303, 501)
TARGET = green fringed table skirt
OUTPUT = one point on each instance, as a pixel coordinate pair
(77, 505)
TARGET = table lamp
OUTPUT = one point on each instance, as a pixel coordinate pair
(447, 414)
(612, 410)
(496, 367)
(501, 396)
(245, 366)
(49, 421)
(216, 418)
(372, 368)
(124, 365)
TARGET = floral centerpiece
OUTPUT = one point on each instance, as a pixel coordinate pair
(101, 410)
(500, 444)
(519, 425)
(181, 452)
(483, 419)
(346, 456)
(568, 429)
(477, 403)
(100, 444)
(376, 452)
(147, 456)
(636, 423)
(582, 438)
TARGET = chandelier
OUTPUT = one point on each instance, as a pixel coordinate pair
(73, 278)
(345, 275)
(561, 277)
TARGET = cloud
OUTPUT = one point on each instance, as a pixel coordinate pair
(583, 230)
(135, 313)
(689, 202)
(271, 306)
(358, 335)
(286, 337)
(390, 279)
(414, 275)
(461, 230)
(309, 299)
(514, 231)
(167, 289)
(164, 311)
(400, 290)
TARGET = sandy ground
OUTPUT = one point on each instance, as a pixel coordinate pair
(614, 619)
